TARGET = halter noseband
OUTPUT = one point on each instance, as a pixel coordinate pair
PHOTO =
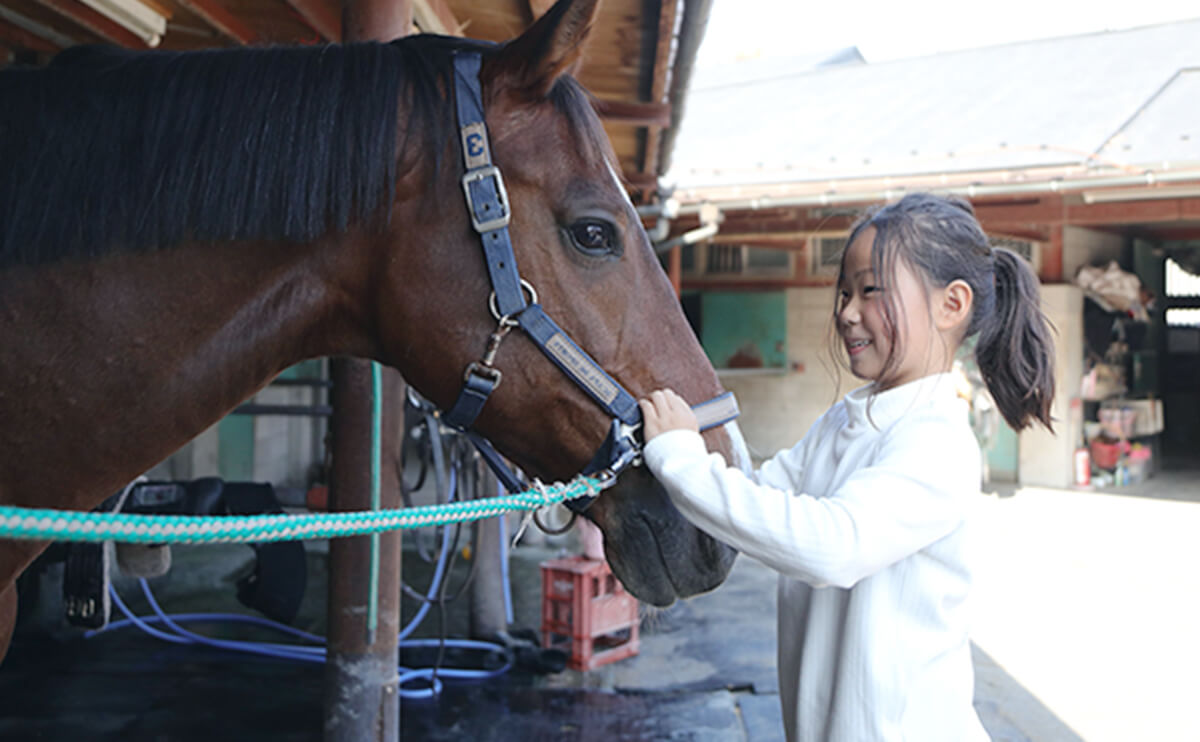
(488, 205)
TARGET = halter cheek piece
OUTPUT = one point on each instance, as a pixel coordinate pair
(487, 203)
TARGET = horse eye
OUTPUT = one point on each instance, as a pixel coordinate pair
(593, 236)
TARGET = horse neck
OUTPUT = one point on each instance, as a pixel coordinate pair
(124, 359)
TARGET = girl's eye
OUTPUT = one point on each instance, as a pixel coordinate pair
(868, 290)
(594, 237)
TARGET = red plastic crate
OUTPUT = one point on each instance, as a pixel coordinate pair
(587, 613)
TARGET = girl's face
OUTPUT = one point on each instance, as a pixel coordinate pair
(863, 325)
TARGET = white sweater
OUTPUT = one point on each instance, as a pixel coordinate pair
(866, 521)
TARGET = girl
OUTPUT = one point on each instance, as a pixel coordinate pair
(866, 518)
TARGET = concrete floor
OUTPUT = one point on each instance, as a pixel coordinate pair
(1089, 603)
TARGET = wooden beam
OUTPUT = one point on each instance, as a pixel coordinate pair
(19, 38)
(39, 30)
(361, 701)
(222, 20)
(658, 91)
(95, 22)
(1024, 213)
(636, 114)
(322, 16)
(435, 16)
(376, 20)
(1130, 212)
(1052, 257)
(640, 180)
(675, 268)
(1174, 234)
(538, 8)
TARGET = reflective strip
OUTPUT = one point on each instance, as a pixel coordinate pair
(716, 411)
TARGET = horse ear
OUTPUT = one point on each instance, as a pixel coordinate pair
(548, 49)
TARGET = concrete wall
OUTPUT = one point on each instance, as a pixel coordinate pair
(280, 449)
(1082, 246)
(778, 408)
(1044, 458)
(285, 447)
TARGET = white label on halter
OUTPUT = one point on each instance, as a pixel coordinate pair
(586, 372)
(475, 145)
(716, 411)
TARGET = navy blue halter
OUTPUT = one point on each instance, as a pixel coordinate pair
(487, 203)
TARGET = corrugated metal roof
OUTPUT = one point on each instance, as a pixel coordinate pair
(1112, 100)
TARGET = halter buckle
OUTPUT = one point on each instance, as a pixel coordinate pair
(475, 368)
(480, 207)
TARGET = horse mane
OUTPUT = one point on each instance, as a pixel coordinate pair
(106, 150)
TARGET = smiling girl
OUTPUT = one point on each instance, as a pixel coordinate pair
(866, 519)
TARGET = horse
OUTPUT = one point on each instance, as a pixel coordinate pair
(176, 228)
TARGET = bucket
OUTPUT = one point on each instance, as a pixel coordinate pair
(1083, 467)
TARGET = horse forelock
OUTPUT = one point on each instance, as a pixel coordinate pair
(106, 150)
(574, 102)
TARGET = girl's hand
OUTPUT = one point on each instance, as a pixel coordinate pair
(665, 410)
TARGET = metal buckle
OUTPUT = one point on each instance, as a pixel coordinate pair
(478, 369)
(487, 225)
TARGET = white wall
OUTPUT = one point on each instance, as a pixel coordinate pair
(1044, 458)
(284, 445)
(1082, 246)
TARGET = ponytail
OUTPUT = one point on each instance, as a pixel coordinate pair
(1015, 350)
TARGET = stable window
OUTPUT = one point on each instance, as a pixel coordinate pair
(724, 261)
(825, 254)
(1028, 249)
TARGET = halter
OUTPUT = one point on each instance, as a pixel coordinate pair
(488, 205)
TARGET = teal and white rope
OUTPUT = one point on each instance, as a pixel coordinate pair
(35, 524)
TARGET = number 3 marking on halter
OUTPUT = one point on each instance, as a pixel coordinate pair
(475, 146)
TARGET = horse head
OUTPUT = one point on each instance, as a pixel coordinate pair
(579, 244)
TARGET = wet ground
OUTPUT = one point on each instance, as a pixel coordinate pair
(1089, 607)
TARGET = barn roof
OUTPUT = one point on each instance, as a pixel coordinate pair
(1118, 102)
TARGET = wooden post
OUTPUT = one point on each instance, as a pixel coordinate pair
(361, 701)
(675, 268)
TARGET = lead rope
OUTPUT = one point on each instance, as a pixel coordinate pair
(41, 524)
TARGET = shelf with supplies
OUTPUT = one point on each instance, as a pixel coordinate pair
(1122, 438)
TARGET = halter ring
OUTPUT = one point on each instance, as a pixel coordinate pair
(525, 286)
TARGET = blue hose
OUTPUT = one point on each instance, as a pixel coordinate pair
(439, 569)
(316, 654)
(297, 653)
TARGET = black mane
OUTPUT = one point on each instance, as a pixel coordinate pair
(108, 150)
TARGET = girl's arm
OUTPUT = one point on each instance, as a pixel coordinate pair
(909, 497)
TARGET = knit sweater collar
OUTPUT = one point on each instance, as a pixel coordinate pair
(886, 407)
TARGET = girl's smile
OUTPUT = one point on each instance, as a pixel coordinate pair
(855, 346)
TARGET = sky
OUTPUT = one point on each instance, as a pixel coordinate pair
(895, 30)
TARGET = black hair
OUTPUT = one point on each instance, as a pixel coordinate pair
(941, 241)
(109, 150)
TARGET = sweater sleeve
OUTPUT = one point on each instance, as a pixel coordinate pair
(908, 496)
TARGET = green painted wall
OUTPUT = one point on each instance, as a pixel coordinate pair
(235, 448)
(1002, 455)
(745, 329)
(235, 433)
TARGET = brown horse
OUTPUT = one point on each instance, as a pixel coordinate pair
(176, 229)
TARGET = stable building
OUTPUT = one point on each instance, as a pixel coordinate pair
(1076, 152)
